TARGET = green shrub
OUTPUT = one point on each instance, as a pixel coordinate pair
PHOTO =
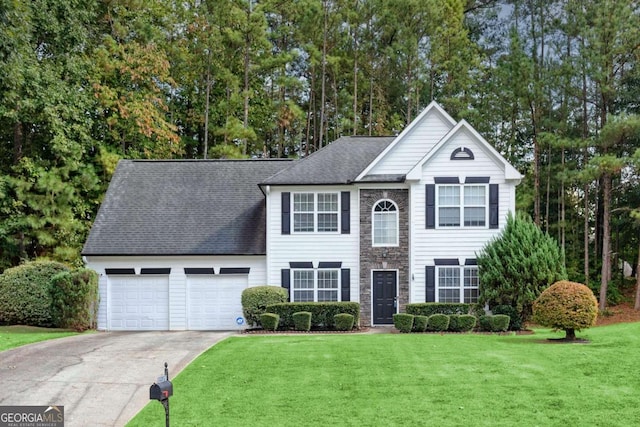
(25, 296)
(269, 321)
(500, 323)
(403, 322)
(430, 308)
(301, 320)
(322, 313)
(343, 321)
(566, 305)
(256, 299)
(466, 322)
(515, 322)
(438, 322)
(420, 323)
(74, 299)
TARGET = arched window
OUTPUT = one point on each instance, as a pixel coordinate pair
(385, 223)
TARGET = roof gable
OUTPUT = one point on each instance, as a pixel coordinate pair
(510, 173)
(198, 207)
(412, 143)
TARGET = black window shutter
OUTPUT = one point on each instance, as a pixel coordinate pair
(286, 213)
(430, 283)
(285, 280)
(493, 205)
(345, 218)
(345, 284)
(430, 205)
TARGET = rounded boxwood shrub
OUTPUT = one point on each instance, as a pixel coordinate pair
(500, 323)
(466, 322)
(344, 321)
(256, 299)
(302, 321)
(420, 323)
(438, 323)
(269, 321)
(566, 305)
(74, 299)
(403, 322)
(515, 322)
(25, 293)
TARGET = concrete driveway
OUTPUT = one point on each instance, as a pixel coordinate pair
(101, 379)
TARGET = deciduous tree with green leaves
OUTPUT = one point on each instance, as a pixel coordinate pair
(516, 266)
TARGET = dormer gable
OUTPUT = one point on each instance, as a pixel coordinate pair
(417, 139)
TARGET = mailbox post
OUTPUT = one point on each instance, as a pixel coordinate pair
(161, 391)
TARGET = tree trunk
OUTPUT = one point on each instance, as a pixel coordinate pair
(637, 303)
(606, 241)
(571, 335)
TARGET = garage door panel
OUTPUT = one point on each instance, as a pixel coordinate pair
(214, 302)
(139, 303)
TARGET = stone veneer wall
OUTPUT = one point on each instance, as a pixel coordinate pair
(383, 258)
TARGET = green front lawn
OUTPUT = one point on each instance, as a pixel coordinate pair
(410, 380)
(15, 336)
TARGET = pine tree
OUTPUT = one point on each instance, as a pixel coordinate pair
(518, 265)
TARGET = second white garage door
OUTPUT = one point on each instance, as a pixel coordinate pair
(215, 302)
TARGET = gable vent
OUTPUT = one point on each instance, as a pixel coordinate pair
(462, 153)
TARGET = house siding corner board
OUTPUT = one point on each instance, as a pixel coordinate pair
(383, 258)
(413, 146)
(115, 277)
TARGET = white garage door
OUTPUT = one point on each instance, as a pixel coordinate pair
(139, 303)
(215, 302)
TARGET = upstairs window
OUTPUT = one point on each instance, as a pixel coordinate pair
(385, 224)
(315, 212)
(462, 205)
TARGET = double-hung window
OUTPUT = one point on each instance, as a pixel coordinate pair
(385, 224)
(461, 205)
(458, 284)
(315, 212)
(316, 285)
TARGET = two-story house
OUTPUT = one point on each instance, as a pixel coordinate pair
(383, 221)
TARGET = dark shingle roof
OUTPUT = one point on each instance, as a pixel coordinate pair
(337, 163)
(200, 207)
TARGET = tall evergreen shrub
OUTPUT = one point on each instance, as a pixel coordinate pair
(516, 266)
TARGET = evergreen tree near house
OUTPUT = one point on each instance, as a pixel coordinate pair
(516, 266)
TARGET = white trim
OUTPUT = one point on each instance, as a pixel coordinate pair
(432, 106)
(510, 172)
(397, 291)
(315, 212)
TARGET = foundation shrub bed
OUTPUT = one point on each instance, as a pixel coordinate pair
(420, 323)
(322, 313)
(269, 321)
(431, 308)
(343, 321)
(495, 323)
(438, 323)
(515, 322)
(403, 322)
(462, 322)
(302, 321)
(256, 299)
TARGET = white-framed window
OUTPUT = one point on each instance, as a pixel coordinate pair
(316, 285)
(315, 212)
(457, 284)
(385, 224)
(462, 205)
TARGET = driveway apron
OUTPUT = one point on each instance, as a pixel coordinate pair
(101, 379)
